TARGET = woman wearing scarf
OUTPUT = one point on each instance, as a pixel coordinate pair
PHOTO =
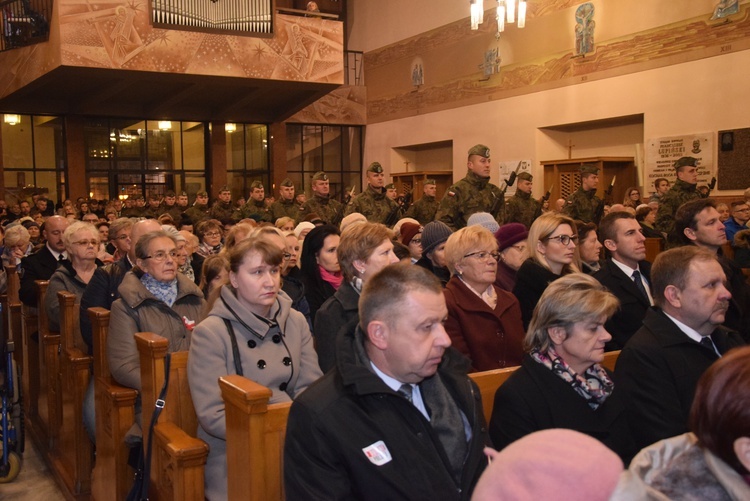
(154, 297)
(561, 383)
(321, 272)
(364, 250)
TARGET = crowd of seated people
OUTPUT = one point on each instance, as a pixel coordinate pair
(549, 299)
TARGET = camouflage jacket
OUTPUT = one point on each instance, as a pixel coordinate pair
(253, 210)
(678, 194)
(470, 195)
(197, 213)
(424, 209)
(285, 208)
(582, 205)
(328, 209)
(221, 211)
(374, 205)
(133, 212)
(174, 212)
(522, 208)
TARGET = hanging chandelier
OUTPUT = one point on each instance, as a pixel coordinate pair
(506, 13)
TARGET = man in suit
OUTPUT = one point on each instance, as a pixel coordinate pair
(681, 337)
(626, 274)
(42, 264)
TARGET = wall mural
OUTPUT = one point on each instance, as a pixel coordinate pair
(585, 25)
(417, 73)
(726, 8)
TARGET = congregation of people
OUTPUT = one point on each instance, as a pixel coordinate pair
(370, 313)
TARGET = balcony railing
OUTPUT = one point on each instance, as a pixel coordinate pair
(24, 22)
(249, 16)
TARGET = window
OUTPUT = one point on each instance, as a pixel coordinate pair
(247, 159)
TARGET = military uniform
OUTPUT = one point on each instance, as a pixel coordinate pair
(582, 205)
(253, 209)
(522, 208)
(328, 209)
(197, 213)
(221, 211)
(678, 194)
(373, 204)
(285, 208)
(470, 195)
(424, 209)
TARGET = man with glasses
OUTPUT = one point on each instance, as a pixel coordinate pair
(738, 220)
(42, 264)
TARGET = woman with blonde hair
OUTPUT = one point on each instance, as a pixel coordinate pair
(484, 321)
(561, 382)
(552, 254)
(285, 224)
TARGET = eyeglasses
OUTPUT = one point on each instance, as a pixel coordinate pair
(416, 241)
(483, 255)
(86, 243)
(519, 248)
(564, 239)
(287, 256)
(212, 234)
(161, 255)
(123, 237)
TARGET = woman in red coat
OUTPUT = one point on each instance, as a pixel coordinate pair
(484, 321)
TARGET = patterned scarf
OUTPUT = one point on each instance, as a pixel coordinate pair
(594, 385)
(187, 270)
(166, 292)
(206, 250)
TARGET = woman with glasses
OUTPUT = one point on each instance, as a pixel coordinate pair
(484, 321)
(81, 242)
(364, 250)
(251, 330)
(154, 297)
(632, 197)
(210, 233)
(511, 241)
(552, 254)
(561, 383)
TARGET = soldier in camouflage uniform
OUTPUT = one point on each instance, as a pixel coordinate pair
(153, 210)
(320, 203)
(373, 202)
(199, 211)
(182, 201)
(136, 210)
(169, 206)
(285, 206)
(683, 190)
(222, 208)
(583, 203)
(391, 191)
(522, 207)
(424, 209)
(255, 208)
(473, 193)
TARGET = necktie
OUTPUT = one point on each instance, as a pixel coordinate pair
(639, 284)
(708, 343)
(60, 258)
(406, 391)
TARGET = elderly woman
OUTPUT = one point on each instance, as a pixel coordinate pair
(35, 235)
(552, 254)
(560, 383)
(209, 232)
(484, 321)
(73, 274)
(434, 236)
(589, 247)
(17, 245)
(364, 250)
(411, 236)
(646, 217)
(154, 297)
(713, 461)
(119, 237)
(321, 272)
(253, 330)
(511, 244)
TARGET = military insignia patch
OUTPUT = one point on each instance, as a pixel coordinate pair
(451, 194)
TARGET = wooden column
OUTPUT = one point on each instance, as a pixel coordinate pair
(218, 167)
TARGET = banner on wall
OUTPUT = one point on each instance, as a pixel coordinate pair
(510, 166)
(662, 152)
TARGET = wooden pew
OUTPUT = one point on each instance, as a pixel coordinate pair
(12, 315)
(115, 414)
(178, 457)
(75, 450)
(610, 359)
(653, 247)
(32, 370)
(489, 382)
(255, 440)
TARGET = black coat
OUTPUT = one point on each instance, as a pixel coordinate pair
(531, 281)
(336, 312)
(101, 291)
(659, 369)
(534, 399)
(633, 304)
(317, 291)
(38, 266)
(351, 408)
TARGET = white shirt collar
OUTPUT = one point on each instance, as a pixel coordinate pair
(628, 271)
(689, 331)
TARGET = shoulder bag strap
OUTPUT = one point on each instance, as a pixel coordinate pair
(235, 348)
(154, 418)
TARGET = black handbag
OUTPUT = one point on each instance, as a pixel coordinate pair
(139, 491)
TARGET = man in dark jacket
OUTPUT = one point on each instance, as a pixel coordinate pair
(626, 274)
(397, 418)
(42, 264)
(660, 365)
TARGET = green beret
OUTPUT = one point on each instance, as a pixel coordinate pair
(256, 184)
(170, 193)
(375, 167)
(288, 183)
(525, 176)
(390, 186)
(139, 197)
(481, 150)
(686, 162)
(320, 176)
(201, 194)
(153, 196)
(589, 169)
(224, 188)
(183, 193)
(429, 181)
